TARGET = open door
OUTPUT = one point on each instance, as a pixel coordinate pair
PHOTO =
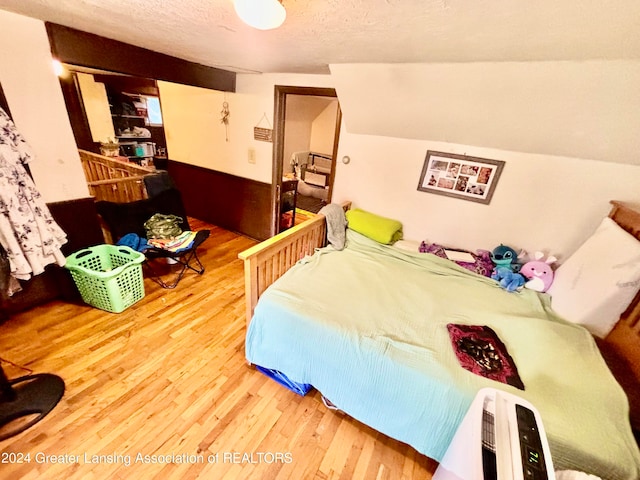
(294, 102)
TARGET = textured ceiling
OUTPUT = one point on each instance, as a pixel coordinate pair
(323, 32)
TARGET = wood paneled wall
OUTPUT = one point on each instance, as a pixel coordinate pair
(238, 204)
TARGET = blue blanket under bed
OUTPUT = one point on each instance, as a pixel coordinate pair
(366, 326)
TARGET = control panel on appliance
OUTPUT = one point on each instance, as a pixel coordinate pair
(533, 461)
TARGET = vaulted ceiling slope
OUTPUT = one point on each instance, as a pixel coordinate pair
(319, 33)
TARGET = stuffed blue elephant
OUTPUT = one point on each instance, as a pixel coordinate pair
(507, 279)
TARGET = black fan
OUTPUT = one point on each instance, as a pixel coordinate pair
(26, 400)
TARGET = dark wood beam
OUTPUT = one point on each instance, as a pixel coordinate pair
(89, 50)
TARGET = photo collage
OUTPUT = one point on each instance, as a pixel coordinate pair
(457, 175)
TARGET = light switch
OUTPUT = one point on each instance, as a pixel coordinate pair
(252, 155)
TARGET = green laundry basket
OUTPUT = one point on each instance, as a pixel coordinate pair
(108, 277)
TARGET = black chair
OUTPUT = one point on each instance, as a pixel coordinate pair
(288, 200)
(188, 260)
(124, 218)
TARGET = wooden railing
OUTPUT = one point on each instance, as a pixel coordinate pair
(113, 180)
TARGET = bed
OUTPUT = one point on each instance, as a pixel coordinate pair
(380, 350)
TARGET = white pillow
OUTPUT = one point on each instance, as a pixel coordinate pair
(409, 245)
(597, 283)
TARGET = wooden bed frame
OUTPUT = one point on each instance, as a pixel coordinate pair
(267, 261)
(621, 348)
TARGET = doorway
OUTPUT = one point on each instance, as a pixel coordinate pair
(306, 133)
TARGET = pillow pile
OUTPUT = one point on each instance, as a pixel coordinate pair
(382, 230)
(597, 283)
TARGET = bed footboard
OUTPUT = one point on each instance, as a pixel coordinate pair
(266, 262)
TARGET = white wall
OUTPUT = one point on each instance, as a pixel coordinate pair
(256, 95)
(323, 130)
(196, 136)
(541, 202)
(37, 105)
(579, 109)
(297, 135)
(193, 128)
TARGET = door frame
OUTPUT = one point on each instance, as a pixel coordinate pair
(3, 102)
(280, 110)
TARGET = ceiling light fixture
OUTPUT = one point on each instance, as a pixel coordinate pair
(261, 14)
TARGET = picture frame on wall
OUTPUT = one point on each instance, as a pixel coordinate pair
(460, 176)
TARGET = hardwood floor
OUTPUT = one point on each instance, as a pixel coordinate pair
(168, 377)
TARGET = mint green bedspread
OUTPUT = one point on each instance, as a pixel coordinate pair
(366, 326)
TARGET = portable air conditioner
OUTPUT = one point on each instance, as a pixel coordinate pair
(500, 438)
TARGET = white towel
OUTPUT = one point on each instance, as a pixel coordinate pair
(299, 158)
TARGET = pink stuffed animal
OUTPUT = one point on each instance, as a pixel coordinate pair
(538, 272)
